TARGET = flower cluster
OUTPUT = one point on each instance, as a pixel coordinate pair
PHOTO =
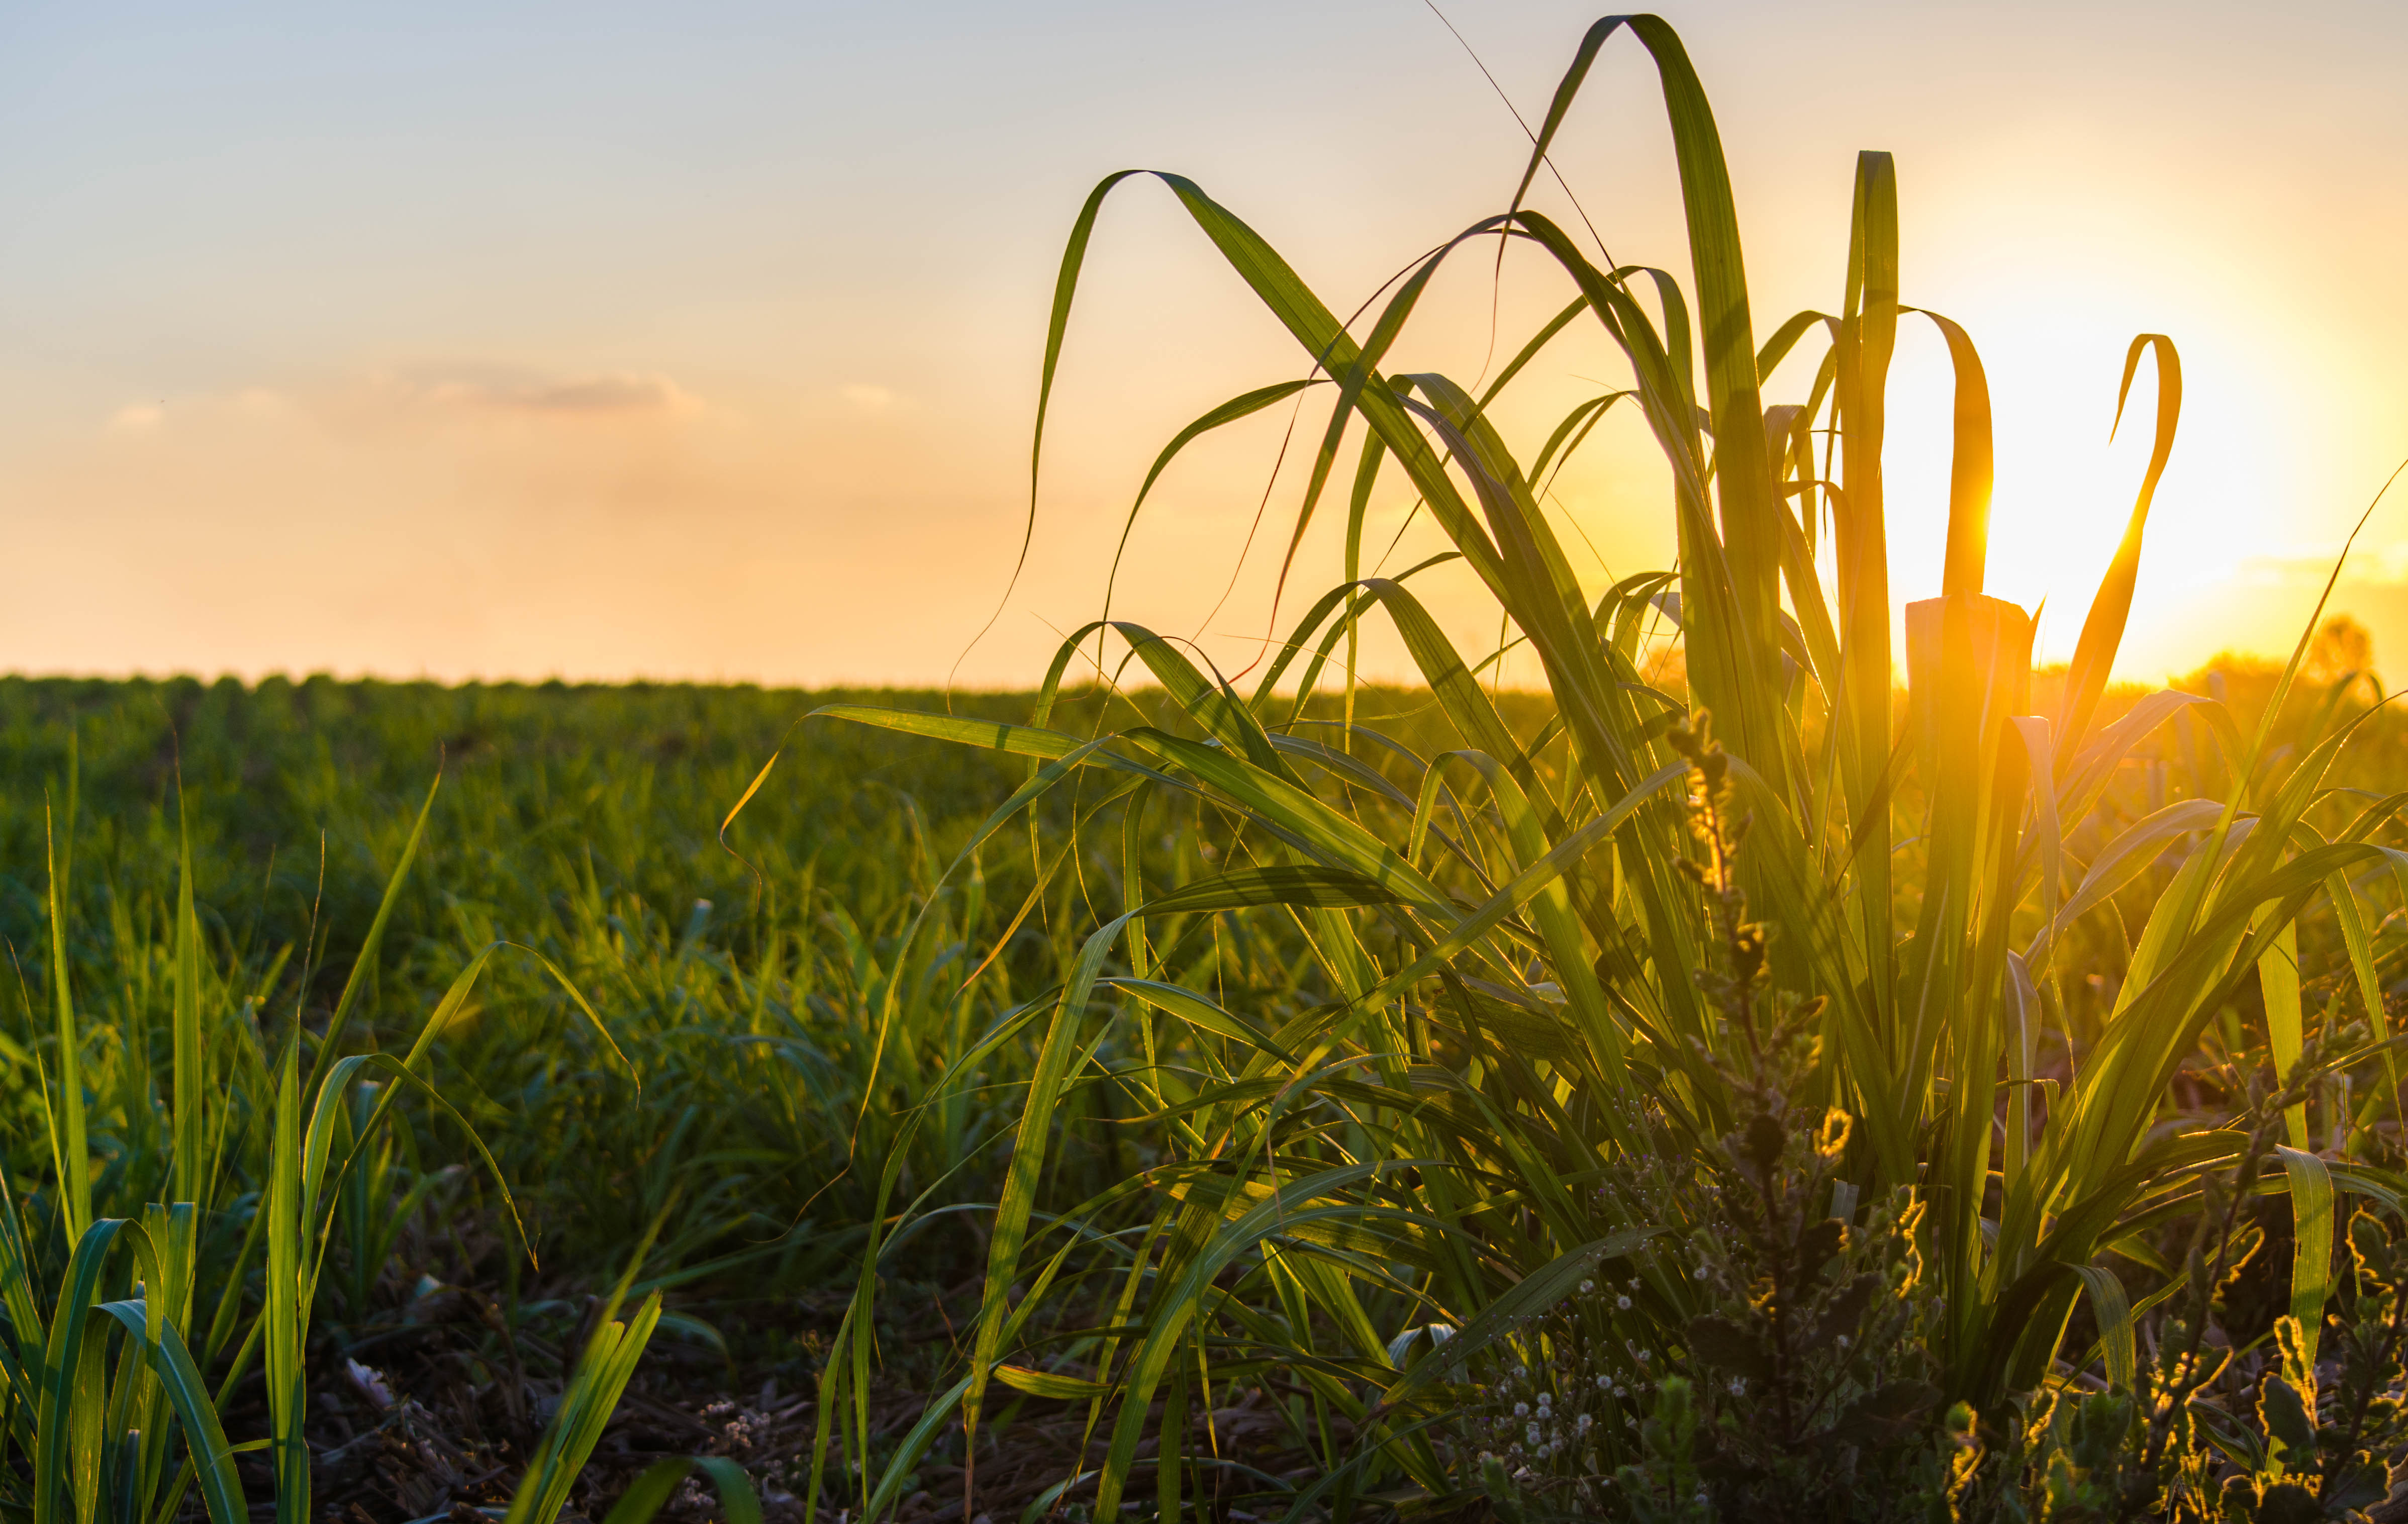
(1559, 1414)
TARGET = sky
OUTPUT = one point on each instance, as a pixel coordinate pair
(702, 341)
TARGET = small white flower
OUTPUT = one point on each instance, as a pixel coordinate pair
(1587, 1287)
(1622, 1303)
(1586, 1423)
(1739, 1386)
(1545, 1401)
(1643, 1357)
(1531, 1435)
(1604, 1382)
(1698, 1275)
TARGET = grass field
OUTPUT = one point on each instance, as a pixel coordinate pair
(581, 825)
(742, 981)
(579, 828)
(578, 824)
(742, 1106)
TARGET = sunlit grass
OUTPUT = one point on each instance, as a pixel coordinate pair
(2012, 959)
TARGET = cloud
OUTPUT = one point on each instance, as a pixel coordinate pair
(868, 398)
(2368, 564)
(616, 393)
(437, 397)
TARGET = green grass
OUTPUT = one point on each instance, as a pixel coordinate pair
(224, 857)
(647, 776)
(577, 826)
(272, 972)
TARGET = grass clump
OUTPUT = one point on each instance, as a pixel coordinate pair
(1955, 1022)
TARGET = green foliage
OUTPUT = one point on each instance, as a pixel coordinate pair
(1960, 1001)
(743, 986)
(96, 1434)
(92, 1432)
(1810, 1383)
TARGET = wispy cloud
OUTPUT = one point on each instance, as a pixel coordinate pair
(428, 396)
(2370, 564)
(492, 390)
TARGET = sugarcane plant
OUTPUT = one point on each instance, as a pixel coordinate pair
(1524, 945)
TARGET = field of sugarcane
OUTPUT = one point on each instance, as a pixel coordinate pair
(1772, 1069)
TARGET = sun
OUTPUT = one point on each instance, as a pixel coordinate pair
(2065, 490)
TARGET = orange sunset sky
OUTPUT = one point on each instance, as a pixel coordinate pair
(702, 341)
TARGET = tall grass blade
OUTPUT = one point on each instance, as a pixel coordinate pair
(2311, 1238)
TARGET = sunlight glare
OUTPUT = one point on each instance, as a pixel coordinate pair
(2064, 490)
